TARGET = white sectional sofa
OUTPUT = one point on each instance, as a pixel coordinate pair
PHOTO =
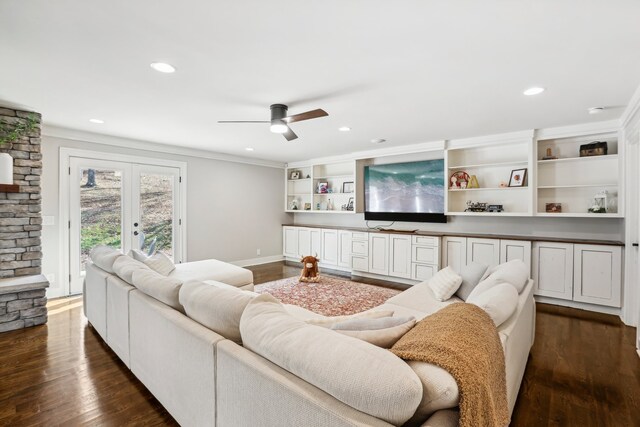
(203, 378)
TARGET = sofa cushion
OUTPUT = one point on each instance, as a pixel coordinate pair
(514, 272)
(329, 321)
(104, 257)
(164, 289)
(439, 390)
(160, 263)
(219, 308)
(212, 269)
(443, 418)
(500, 302)
(419, 297)
(382, 332)
(445, 283)
(471, 275)
(365, 377)
(124, 267)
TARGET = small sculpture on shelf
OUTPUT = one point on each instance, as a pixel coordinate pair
(473, 182)
(495, 208)
(475, 206)
(293, 205)
(549, 155)
(458, 180)
(349, 205)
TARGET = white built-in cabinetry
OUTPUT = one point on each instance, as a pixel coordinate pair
(302, 187)
(460, 251)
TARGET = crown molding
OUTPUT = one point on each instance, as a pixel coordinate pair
(114, 141)
(500, 138)
(579, 130)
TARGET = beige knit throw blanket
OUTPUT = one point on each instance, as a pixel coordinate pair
(463, 340)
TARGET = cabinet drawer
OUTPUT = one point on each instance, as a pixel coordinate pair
(426, 240)
(424, 254)
(422, 272)
(357, 235)
(359, 247)
(360, 263)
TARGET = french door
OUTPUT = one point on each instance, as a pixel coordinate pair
(123, 205)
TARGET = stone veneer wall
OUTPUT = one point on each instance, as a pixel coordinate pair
(22, 309)
(20, 213)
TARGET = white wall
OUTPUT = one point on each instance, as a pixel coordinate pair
(233, 208)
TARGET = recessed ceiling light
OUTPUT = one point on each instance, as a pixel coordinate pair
(344, 128)
(533, 91)
(96, 121)
(163, 67)
(595, 110)
(378, 141)
(249, 149)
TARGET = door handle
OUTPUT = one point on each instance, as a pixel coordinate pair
(135, 224)
(135, 233)
(634, 244)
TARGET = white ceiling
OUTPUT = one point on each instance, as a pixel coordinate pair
(406, 71)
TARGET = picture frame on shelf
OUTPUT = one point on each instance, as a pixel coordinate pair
(518, 177)
(294, 175)
(323, 188)
(348, 187)
(553, 207)
(307, 206)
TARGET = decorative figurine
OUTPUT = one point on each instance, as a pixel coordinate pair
(310, 270)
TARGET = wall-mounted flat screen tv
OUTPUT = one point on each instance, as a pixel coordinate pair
(411, 191)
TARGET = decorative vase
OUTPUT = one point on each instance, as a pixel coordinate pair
(6, 169)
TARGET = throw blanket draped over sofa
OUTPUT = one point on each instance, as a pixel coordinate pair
(462, 339)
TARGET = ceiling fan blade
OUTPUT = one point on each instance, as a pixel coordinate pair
(243, 121)
(308, 115)
(290, 135)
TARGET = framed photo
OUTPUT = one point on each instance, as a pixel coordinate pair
(348, 187)
(518, 177)
(295, 175)
(323, 188)
(307, 206)
(553, 207)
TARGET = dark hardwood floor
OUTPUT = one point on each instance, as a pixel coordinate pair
(583, 371)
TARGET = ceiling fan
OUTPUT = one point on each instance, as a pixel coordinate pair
(280, 121)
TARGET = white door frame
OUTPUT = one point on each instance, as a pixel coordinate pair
(64, 202)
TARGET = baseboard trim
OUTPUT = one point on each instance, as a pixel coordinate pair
(258, 261)
(580, 305)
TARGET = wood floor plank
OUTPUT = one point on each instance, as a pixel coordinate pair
(583, 371)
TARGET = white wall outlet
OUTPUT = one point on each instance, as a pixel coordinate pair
(48, 220)
(258, 252)
(51, 277)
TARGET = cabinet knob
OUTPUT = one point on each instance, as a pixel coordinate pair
(634, 244)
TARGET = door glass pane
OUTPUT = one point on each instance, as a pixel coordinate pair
(100, 210)
(156, 213)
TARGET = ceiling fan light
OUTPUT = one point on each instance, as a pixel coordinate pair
(278, 126)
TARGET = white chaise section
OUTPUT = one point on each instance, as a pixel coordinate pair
(95, 298)
(212, 269)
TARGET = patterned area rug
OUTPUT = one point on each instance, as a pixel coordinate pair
(332, 296)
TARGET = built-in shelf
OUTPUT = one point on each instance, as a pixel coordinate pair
(581, 214)
(304, 190)
(298, 194)
(578, 159)
(331, 194)
(334, 177)
(299, 179)
(455, 190)
(9, 188)
(489, 165)
(551, 187)
(491, 213)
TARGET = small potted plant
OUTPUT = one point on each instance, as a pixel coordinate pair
(10, 132)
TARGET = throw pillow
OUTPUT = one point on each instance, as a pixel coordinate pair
(104, 257)
(161, 263)
(514, 272)
(500, 302)
(219, 308)
(445, 283)
(327, 321)
(440, 391)
(164, 289)
(125, 266)
(471, 275)
(344, 367)
(382, 332)
(138, 255)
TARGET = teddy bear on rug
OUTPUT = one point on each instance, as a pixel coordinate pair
(310, 270)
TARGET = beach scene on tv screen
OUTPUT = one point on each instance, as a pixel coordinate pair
(414, 187)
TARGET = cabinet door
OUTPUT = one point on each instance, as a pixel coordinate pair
(290, 242)
(483, 251)
(515, 249)
(304, 242)
(379, 253)
(315, 235)
(329, 247)
(360, 263)
(597, 272)
(423, 272)
(400, 256)
(553, 269)
(344, 248)
(454, 252)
